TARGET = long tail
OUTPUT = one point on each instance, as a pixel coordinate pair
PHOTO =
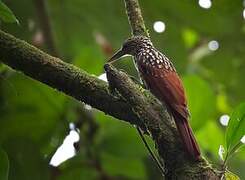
(187, 137)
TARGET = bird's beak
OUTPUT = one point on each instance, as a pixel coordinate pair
(116, 56)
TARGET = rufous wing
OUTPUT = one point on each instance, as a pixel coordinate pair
(167, 87)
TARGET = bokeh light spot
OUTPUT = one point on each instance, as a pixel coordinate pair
(159, 26)
(243, 139)
(224, 119)
(206, 4)
(213, 45)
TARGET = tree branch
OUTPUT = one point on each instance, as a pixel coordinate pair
(135, 18)
(63, 76)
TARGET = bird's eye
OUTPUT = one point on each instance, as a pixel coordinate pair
(125, 46)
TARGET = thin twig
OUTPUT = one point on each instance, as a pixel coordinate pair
(135, 18)
(158, 163)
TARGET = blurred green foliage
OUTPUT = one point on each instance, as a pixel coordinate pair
(34, 118)
(4, 165)
(203, 104)
(6, 14)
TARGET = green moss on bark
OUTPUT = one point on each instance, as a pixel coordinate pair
(62, 76)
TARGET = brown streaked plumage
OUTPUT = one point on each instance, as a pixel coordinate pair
(161, 78)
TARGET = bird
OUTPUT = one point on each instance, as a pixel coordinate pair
(160, 76)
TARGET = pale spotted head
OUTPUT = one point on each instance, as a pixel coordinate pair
(131, 46)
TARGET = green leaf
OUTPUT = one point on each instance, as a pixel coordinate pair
(236, 129)
(201, 100)
(231, 176)
(4, 165)
(6, 14)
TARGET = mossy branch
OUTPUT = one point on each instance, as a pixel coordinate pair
(135, 18)
(65, 77)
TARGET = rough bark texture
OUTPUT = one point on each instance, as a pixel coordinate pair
(62, 76)
(127, 101)
(135, 18)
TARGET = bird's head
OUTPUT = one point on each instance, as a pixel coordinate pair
(131, 46)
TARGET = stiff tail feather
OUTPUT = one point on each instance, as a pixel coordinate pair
(187, 137)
